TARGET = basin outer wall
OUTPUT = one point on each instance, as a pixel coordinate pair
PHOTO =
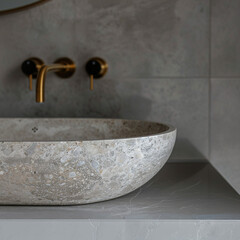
(79, 172)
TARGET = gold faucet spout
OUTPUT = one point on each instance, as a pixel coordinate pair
(40, 90)
(63, 68)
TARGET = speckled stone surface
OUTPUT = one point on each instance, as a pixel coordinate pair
(77, 161)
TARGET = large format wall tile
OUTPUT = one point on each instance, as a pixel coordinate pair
(180, 102)
(139, 38)
(225, 38)
(141, 41)
(143, 38)
(225, 129)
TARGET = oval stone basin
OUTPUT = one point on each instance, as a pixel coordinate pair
(78, 161)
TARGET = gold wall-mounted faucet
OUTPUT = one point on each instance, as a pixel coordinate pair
(63, 67)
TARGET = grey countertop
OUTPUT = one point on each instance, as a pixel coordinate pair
(179, 191)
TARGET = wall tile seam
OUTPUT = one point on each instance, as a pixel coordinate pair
(224, 77)
(209, 80)
(162, 77)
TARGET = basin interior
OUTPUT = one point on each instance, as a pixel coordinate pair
(74, 129)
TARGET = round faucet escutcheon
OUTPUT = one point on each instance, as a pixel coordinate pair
(30, 68)
(96, 68)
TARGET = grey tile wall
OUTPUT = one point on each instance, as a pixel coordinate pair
(139, 38)
(146, 38)
(225, 38)
(157, 52)
(225, 90)
(225, 128)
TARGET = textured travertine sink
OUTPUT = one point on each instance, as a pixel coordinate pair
(77, 161)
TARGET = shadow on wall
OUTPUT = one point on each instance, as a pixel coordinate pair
(108, 101)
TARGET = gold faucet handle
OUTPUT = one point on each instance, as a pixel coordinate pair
(30, 68)
(30, 82)
(91, 82)
(96, 68)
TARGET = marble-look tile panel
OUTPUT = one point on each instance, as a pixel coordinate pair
(225, 38)
(138, 38)
(172, 42)
(225, 129)
(146, 38)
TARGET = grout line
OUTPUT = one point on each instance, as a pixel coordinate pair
(224, 77)
(166, 77)
(209, 82)
(187, 77)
